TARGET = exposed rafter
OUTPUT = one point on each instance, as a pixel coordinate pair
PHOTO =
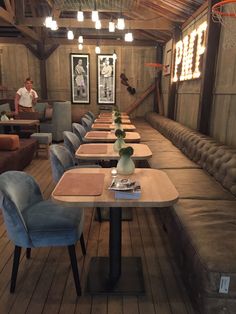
(7, 17)
(152, 20)
(157, 24)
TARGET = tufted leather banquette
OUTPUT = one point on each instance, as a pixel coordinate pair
(201, 227)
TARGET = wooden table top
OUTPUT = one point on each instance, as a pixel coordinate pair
(109, 136)
(103, 126)
(109, 115)
(156, 190)
(93, 152)
(109, 120)
(19, 122)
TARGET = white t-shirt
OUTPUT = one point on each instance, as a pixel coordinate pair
(26, 97)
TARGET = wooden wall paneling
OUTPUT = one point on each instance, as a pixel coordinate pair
(21, 67)
(220, 117)
(209, 71)
(53, 74)
(34, 70)
(132, 64)
(187, 110)
(186, 89)
(165, 92)
(165, 80)
(230, 133)
(173, 85)
(223, 117)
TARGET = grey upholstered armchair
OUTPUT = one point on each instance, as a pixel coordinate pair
(72, 143)
(61, 121)
(79, 130)
(61, 161)
(32, 222)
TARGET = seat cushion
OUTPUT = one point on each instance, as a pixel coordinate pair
(170, 160)
(42, 138)
(202, 233)
(51, 224)
(197, 184)
(9, 142)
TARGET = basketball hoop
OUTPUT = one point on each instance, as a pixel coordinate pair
(154, 68)
(224, 12)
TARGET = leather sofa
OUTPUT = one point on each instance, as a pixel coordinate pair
(17, 157)
(54, 118)
(201, 227)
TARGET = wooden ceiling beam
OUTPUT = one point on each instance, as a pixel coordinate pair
(156, 36)
(154, 8)
(203, 7)
(102, 42)
(6, 17)
(9, 7)
(26, 31)
(157, 24)
(19, 11)
(63, 41)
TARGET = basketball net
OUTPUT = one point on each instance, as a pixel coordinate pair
(224, 12)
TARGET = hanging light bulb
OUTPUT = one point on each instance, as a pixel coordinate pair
(80, 46)
(114, 55)
(129, 37)
(70, 35)
(111, 27)
(54, 25)
(48, 22)
(80, 39)
(80, 16)
(120, 23)
(98, 24)
(97, 49)
(95, 16)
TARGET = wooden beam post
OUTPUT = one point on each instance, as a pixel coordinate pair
(40, 53)
(158, 105)
(209, 71)
(173, 85)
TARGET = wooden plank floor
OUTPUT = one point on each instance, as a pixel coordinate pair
(45, 283)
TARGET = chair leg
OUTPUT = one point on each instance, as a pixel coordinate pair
(28, 252)
(99, 215)
(15, 267)
(74, 266)
(82, 243)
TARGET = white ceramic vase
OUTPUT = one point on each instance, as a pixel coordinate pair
(125, 165)
(119, 143)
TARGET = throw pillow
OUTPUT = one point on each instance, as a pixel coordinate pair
(9, 142)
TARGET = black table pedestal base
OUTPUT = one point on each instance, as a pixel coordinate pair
(131, 281)
(127, 214)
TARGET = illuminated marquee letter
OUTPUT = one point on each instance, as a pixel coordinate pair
(189, 62)
(185, 53)
(178, 58)
(200, 47)
(185, 59)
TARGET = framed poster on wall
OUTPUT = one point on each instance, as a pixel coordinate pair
(80, 80)
(106, 79)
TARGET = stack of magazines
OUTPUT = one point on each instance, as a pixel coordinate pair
(125, 189)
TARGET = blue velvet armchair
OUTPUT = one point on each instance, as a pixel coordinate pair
(72, 143)
(79, 130)
(33, 222)
(61, 161)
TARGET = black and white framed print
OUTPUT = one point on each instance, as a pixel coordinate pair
(106, 79)
(80, 80)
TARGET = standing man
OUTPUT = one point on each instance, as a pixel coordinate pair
(107, 74)
(25, 98)
(79, 78)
